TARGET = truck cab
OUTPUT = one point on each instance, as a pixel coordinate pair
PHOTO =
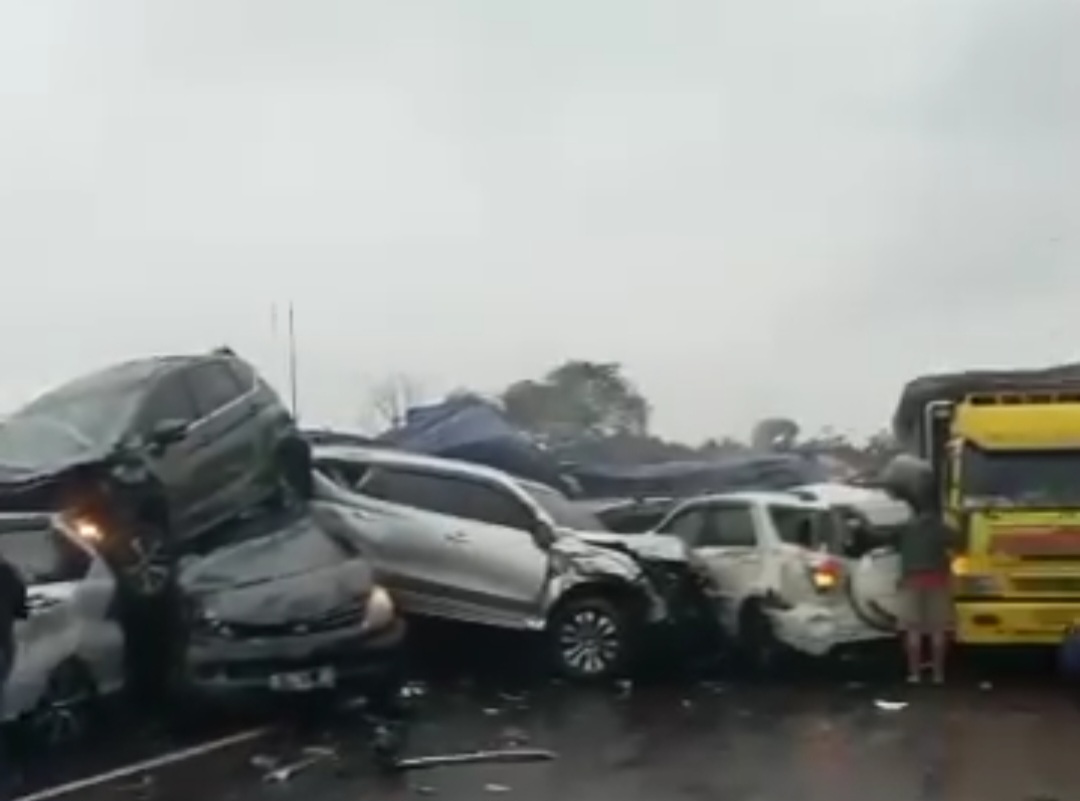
(1007, 466)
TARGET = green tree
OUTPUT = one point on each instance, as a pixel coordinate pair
(579, 399)
(774, 434)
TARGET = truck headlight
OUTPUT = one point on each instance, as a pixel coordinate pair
(379, 612)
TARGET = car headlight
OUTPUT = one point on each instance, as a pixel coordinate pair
(84, 528)
(379, 612)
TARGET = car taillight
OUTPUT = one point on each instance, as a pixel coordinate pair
(826, 575)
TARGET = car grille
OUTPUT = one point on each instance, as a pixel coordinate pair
(1052, 584)
(347, 615)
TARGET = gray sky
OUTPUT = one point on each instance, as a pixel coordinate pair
(741, 200)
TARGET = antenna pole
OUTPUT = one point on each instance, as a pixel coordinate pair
(292, 360)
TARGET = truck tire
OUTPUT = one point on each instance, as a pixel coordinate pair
(591, 637)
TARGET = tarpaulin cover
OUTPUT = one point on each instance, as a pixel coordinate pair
(908, 419)
(475, 431)
(735, 472)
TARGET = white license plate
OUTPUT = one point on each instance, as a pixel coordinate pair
(302, 681)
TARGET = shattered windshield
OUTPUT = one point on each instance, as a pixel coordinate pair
(564, 512)
(1020, 478)
(65, 425)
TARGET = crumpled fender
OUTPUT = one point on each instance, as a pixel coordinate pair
(575, 562)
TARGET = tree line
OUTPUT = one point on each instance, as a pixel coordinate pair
(592, 411)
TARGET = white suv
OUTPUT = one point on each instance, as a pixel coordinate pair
(780, 572)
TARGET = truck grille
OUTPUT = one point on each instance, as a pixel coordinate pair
(1052, 584)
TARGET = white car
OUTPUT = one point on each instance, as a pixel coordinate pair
(782, 578)
(70, 650)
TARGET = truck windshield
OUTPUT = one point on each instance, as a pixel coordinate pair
(1020, 478)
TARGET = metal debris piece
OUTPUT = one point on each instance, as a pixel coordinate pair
(414, 689)
(496, 788)
(890, 706)
(264, 762)
(985, 685)
(312, 756)
(624, 687)
(513, 737)
(513, 698)
(476, 757)
(492, 711)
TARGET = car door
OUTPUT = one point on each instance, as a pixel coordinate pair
(170, 399)
(724, 537)
(497, 564)
(801, 540)
(223, 443)
(397, 519)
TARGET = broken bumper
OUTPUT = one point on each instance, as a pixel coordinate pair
(819, 630)
(217, 666)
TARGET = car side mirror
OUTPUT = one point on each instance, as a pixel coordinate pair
(168, 432)
(544, 534)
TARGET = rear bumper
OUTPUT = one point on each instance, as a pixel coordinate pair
(818, 630)
(999, 622)
(228, 667)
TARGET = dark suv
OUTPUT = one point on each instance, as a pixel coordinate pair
(145, 455)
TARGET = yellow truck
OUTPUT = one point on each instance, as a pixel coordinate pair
(1006, 459)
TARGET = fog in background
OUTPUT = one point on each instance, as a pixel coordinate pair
(759, 207)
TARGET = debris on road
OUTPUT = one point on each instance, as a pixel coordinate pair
(496, 788)
(890, 706)
(312, 756)
(477, 757)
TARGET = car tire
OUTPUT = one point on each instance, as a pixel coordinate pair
(65, 713)
(591, 638)
(292, 463)
(762, 653)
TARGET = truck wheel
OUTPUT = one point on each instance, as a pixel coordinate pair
(590, 638)
(761, 651)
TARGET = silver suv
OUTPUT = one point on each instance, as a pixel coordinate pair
(463, 542)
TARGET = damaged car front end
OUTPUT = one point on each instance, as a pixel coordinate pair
(288, 608)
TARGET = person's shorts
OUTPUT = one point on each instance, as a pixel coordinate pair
(926, 608)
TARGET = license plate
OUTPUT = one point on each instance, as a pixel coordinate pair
(302, 681)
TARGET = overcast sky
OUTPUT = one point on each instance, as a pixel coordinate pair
(744, 201)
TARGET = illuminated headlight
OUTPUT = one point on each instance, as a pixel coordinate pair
(84, 528)
(973, 584)
(379, 612)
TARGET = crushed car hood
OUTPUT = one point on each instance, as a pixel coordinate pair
(653, 547)
(595, 559)
(248, 583)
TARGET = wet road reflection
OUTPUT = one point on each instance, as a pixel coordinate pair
(709, 742)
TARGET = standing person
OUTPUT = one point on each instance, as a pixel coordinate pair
(925, 577)
(13, 607)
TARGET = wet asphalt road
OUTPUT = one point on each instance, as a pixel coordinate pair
(820, 737)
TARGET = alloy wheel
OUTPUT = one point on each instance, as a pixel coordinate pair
(589, 642)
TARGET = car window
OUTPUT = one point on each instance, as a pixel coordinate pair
(169, 400)
(213, 385)
(243, 373)
(807, 528)
(728, 527)
(44, 556)
(562, 510)
(686, 525)
(448, 495)
(350, 475)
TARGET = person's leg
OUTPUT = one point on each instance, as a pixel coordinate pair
(940, 614)
(910, 625)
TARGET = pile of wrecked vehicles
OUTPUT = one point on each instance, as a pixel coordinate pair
(182, 539)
